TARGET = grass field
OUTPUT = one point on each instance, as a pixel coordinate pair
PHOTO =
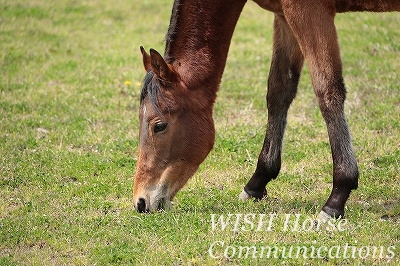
(69, 97)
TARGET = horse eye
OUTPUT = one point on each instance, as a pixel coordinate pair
(160, 126)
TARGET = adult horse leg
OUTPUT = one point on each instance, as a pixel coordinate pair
(286, 65)
(316, 34)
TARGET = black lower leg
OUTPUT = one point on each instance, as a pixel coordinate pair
(269, 160)
(345, 170)
(345, 179)
(286, 65)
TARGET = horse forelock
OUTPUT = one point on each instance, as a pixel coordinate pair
(150, 89)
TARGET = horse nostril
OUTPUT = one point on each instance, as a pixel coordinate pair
(141, 206)
(161, 204)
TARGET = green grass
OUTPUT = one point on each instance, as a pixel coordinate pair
(69, 132)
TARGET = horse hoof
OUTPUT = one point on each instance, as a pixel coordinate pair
(252, 195)
(324, 217)
(244, 196)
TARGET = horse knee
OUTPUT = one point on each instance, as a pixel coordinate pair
(331, 97)
(270, 165)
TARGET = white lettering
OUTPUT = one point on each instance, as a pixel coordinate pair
(391, 251)
(248, 220)
(211, 248)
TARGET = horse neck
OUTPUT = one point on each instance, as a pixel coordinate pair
(198, 40)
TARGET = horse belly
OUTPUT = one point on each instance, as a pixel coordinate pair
(367, 5)
(270, 5)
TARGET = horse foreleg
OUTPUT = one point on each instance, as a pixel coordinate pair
(316, 34)
(286, 65)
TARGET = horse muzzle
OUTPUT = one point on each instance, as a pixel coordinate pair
(162, 205)
(156, 200)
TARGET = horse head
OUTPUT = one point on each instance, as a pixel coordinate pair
(176, 134)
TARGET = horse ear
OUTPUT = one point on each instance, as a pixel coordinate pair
(159, 66)
(146, 59)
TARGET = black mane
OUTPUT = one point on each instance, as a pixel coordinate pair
(172, 34)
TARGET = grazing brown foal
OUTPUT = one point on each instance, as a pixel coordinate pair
(179, 90)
